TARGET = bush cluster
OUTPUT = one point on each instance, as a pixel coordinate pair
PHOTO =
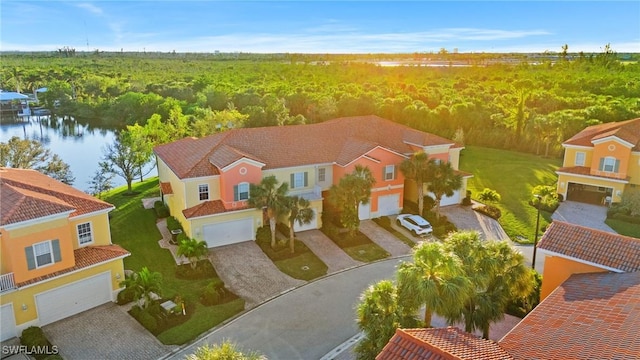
(204, 270)
(215, 293)
(33, 336)
(173, 224)
(125, 296)
(156, 319)
(490, 211)
(162, 211)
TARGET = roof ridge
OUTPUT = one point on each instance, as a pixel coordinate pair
(431, 345)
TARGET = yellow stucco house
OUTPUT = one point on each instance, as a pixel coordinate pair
(56, 254)
(205, 182)
(601, 162)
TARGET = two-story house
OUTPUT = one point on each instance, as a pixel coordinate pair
(205, 182)
(56, 254)
(601, 162)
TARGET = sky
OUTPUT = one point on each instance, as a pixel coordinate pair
(319, 26)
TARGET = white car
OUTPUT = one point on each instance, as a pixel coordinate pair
(414, 223)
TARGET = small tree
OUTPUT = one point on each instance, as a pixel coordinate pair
(489, 195)
(31, 154)
(545, 197)
(352, 190)
(125, 157)
(379, 316)
(193, 249)
(444, 181)
(224, 351)
(100, 182)
(143, 284)
(300, 212)
(418, 168)
(270, 197)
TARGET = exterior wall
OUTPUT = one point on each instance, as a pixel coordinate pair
(26, 295)
(570, 156)
(611, 149)
(240, 173)
(195, 225)
(284, 175)
(564, 180)
(99, 229)
(177, 201)
(454, 158)
(634, 169)
(328, 175)
(557, 270)
(192, 194)
(15, 241)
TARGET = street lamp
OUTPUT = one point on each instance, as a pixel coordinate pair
(535, 237)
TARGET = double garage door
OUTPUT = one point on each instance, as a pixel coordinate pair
(68, 300)
(387, 205)
(229, 232)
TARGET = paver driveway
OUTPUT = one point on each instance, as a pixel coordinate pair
(249, 273)
(330, 253)
(588, 215)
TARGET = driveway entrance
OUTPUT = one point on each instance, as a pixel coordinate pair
(589, 194)
(592, 216)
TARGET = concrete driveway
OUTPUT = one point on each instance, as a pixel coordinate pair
(383, 238)
(249, 273)
(104, 332)
(325, 249)
(588, 215)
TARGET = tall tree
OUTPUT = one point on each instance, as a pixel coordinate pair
(352, 190)
(418, 168)
(193, 250)
(100, 182)
(143, 284)
(436, 279)
(125, 157)
(270, 197)
(224, 351)
(443, 181)
(299, 212)
(31, 154)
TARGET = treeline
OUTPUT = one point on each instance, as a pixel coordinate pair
(530, 106)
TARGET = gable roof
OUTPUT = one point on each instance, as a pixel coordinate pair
(440, 344)
(339, 141)
(599, 248)
(589, 316)
(628, 131)
(27, 195)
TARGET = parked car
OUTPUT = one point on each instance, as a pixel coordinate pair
(414, 223)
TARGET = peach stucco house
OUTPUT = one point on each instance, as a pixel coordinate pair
(56, 254)
(601, 162)
(205, 182)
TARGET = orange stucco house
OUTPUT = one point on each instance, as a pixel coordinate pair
(205, 182)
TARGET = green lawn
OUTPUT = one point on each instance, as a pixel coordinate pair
(513, 175)
(624, 228)
(359, 246)
(134, 228)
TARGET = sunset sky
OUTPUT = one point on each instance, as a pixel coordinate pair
(320, 26)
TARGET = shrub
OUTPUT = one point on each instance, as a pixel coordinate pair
(33, 336)
(173, 224)
(467, 200)
(161, 209)
(203, 270)
(520, 307)
(410, 207)
(489, 210)
(627, 218)
(148, 321)
(125, 296)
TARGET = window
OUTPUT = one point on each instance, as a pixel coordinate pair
(322, 174)
(299, 180)
(580, 158)
(203, 191)
(43, 254)
(389, 172)
(85, 235)
(241, 192)
(609, 164)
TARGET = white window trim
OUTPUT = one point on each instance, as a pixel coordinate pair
(386, 172)
(90, 233)
(200, 192)
(613, 164)
(324, 174)
(240, 192)
(295, 180)
(584, 157)
(35, 256)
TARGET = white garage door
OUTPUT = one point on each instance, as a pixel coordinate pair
(364, 211)
(389, 205)
(229, 232)
(57, 304)
(310, 226)
(451, 200)
(7, 322)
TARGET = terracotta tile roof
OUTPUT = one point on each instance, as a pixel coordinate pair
(583, 170)
(28, 194)
(166, 189)
(589, 316)
(591, 245)
(332, 141)
(208, 208)
(440, 344)
(85, 257)
(628, 131)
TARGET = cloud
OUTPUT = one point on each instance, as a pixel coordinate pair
(91, 8)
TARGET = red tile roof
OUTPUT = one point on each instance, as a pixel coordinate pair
(583, 170)
(85, 257)
(165, 188)
(628, 131)
(440, 344)
(589, 316)
(340, 140)
(28, 194)
(206, 208)
(591, 245)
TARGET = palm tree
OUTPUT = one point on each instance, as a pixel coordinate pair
(352, 190)
(224, 351)
(272, 198)
(489, 195)
(143, 284)
(378, 317)
(436, 279)
(418, 168)
(300, 212)
(193, 249)
(444, 181)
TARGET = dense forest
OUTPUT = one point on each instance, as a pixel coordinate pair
(523, 103)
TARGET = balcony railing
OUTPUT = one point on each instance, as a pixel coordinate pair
(6, 282)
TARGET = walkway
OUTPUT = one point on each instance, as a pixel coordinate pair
(578, 213)
(330, 253)
(383, 238)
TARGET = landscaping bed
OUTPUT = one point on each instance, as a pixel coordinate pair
(385, 223)
(358, 246)
(303, 264)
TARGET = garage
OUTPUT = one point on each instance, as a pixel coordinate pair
(68, 300)
(8, 325)
(364, 211)
(389, 205)
(229, 232)
(310, 226)
(449, 200)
